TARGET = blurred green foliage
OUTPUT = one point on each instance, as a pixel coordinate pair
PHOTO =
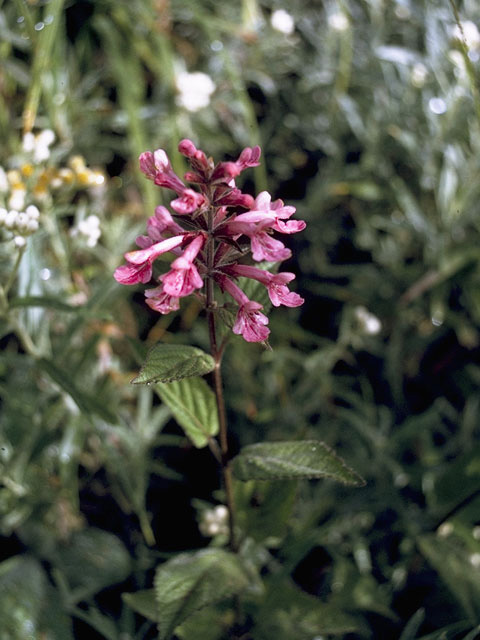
(367, 112)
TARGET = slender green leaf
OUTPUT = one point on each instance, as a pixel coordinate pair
(413, 625)
(452, 560)
(85, 402)
(47, 302)
(192, 581)
(170, 362)
(307, 459)
(192, 403)
(143, 602)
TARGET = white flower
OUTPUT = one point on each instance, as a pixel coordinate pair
(214, 521)
(369, 324)
(89, 228)
(38, 144)
(194, 90)
(3, 181)
(419, 75)
(282, 21)
(19, 241)
(17, 198)
(11, 219)
(338, 21)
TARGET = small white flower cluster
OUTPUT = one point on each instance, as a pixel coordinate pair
(282, 21)
(89, 228)
(368, 323)
(38, 145)
(194, 90)
(338, 22)
(214, 521)
(20, 223)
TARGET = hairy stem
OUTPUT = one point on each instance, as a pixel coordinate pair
(218, 384)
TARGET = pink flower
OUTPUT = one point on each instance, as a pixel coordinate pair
(156, 166)
(156, 225)
(189, 202)
(139, 263)
(264, 247)
(249, 158)
(278, 292)
(160, 301)
(249, 323)
(216, 222)
(225, 171)
(183, 277)
(233, 198)
(263, 203)
(253, 224)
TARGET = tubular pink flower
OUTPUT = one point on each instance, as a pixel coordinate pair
(156, 225)
(249, 157)
(280, 211)
(234, 198)
(278, 292)
(156, 166)
(264, 247)
(139, 263)
(187, 148)
(160, 301)
(253, 225)
(189, 202)
(133, 274)
(183, 277)
(225, 171)
(249, 323)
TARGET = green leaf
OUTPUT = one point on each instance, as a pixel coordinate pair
(170, 362)
(22, 586)
(47, 302)
(451, 558)
(266, 507)
(143, 602)
(92, 560)
(193, 405)
(206, 623)
(192, 581)
(302, 459)
(86, 403)
(288, 612)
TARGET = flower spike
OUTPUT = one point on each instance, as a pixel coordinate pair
(214, 226)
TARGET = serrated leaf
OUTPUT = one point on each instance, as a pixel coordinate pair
(193, 405)
(143, 602)
(192, 581)
(302, 459)
(170, 362)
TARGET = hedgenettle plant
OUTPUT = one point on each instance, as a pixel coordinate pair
(215, 232)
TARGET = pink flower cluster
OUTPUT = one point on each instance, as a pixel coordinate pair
(221, 225)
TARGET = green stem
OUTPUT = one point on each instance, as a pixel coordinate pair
(468, 63)
(218, 385)
(13, 275)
